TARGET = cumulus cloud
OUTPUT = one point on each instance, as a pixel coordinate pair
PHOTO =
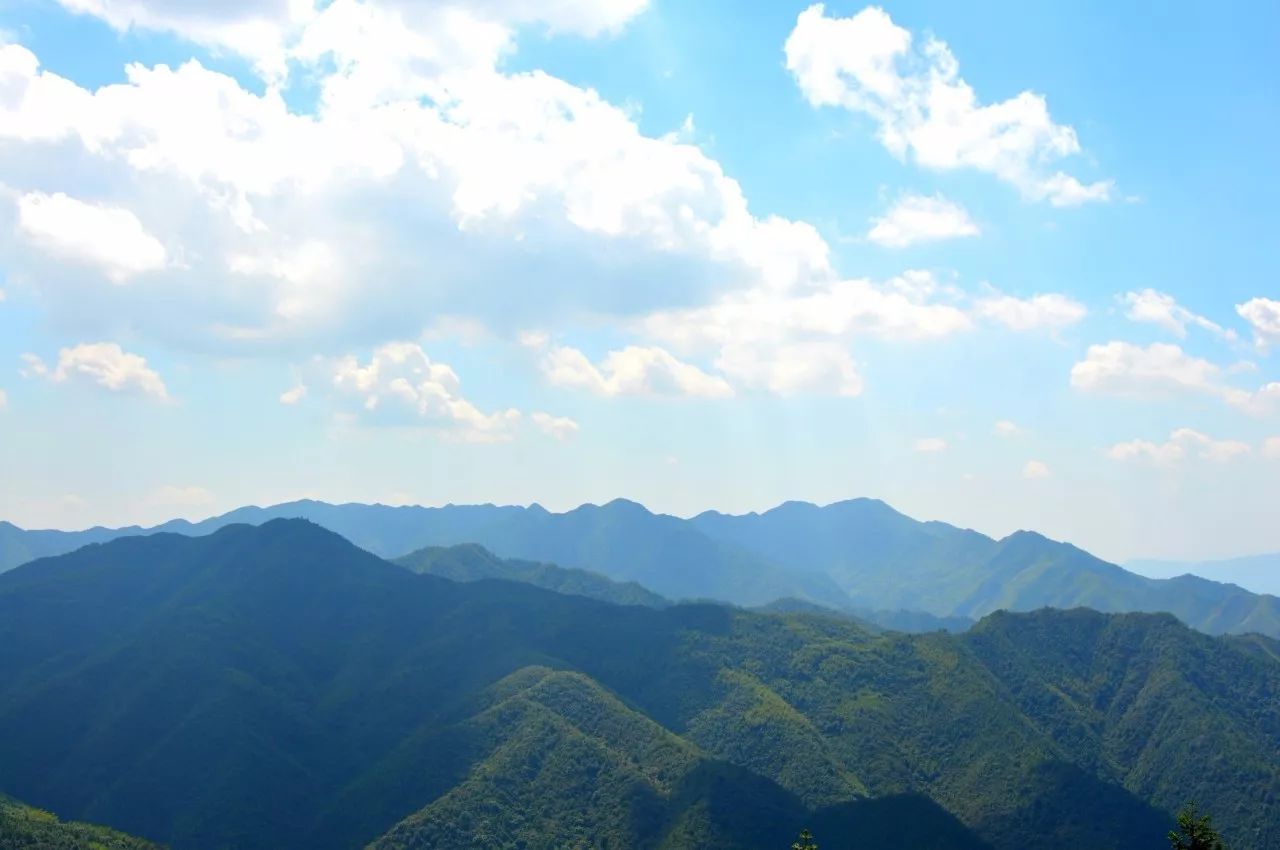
(631, 371)
(400, 384)
(925, 111)
(1158, 308)
(559, 427)
(105, 364)
(1050, 311)
(1122, 368)
(902, 308)
(1271, 448)
(433, 178)
(1035, 469)
(930, 445)
(107, 237)
(789, 342)
(1163, 369)
(1180, 443)
(919, 218)
(1263, 315)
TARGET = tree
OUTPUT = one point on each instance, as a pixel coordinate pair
(806, 841)
(1195, 831)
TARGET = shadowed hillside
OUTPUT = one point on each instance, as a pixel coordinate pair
(275, 686)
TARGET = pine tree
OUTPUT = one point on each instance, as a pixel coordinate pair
(1195, 831)
(806, 841)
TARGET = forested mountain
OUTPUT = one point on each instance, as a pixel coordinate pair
(472, 562)
(882, 559)
(26, 828)
(859, 556)
(277, 687)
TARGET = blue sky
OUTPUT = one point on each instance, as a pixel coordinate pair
(1008, 267)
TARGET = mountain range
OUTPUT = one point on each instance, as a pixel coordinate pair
(859, 557)
(1259, 573)
(275, 686)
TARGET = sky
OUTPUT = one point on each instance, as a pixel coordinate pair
(1008, 265)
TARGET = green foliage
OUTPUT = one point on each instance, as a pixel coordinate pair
(1195, 831)
(805, 842)
(276, 687)
(26, 828)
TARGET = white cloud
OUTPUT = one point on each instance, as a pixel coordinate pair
(902, 308)
(789, 342)
(4, 399)
(400, 384)
(294, 394)
(1263, 314)
(1158, 308)
(1007, 429)
(930, 445)
(559, 427)
(1271, 448)
(919, 218)
(925, 111)
(1049, 311)
(1176, 448)
(1035, 469)
(1261, 402)
(434, 182)
(254, 29)
(110, 238)
(792, 368)
(101, 363)
(1122, 368)
(1164, 369)
(269, 33)
(631, 371)
(306, 278)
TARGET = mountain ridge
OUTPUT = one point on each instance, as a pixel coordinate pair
(855, 556)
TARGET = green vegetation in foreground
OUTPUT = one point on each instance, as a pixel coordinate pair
(1195, 831)
(805, 841)
(25, 828)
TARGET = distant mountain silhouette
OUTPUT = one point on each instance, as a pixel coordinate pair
(858, 557)
(1256, 573)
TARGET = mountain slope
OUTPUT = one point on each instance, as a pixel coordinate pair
(1137, 696)
(277, 687)
(25, 828)
(472, 562)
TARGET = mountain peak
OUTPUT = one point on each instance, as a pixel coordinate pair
(621, 504)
